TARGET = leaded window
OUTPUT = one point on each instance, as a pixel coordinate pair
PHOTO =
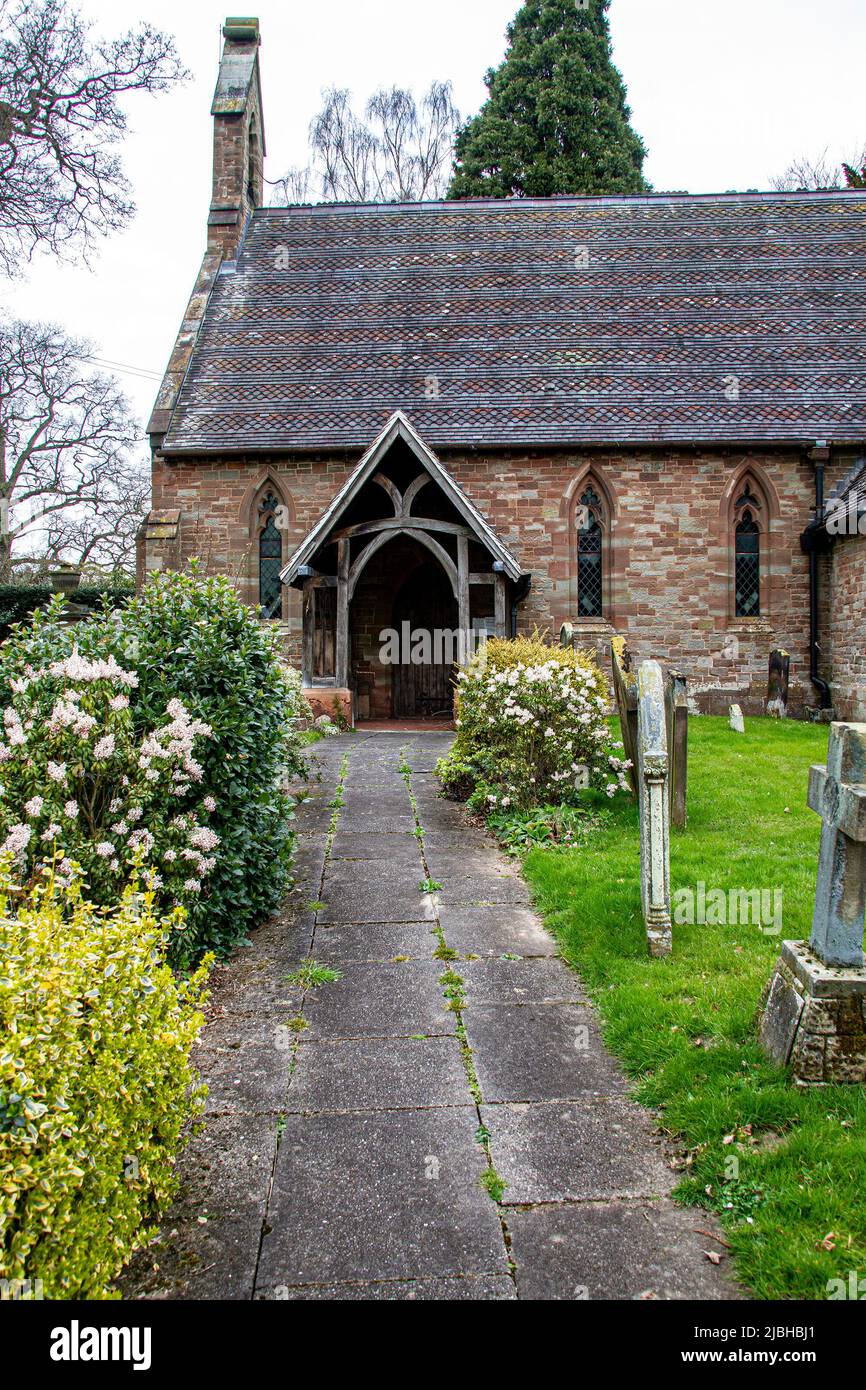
(590, 576)
(748, 567)
(270, 560)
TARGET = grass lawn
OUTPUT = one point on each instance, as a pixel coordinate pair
(685, 1028)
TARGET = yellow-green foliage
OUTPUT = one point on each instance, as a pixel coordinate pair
(95, 1081)
(531, 728)
(504, 653)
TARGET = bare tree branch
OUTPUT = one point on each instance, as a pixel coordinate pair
(70, 486)
(811, 175)
(400, 152)
(61, 184)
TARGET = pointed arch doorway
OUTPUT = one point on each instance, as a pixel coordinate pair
(400, 553)
(424, 604)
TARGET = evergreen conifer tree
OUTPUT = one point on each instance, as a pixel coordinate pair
(556, 119)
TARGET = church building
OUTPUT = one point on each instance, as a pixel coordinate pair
(639, 415)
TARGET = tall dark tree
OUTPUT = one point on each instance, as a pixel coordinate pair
(556, 120)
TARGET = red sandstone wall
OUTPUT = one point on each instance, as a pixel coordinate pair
(847, 629)
(671, 582)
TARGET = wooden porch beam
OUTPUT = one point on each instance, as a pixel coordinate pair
(400, 523)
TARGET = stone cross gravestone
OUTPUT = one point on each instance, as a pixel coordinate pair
(838, 793)
(653, 770)
(815, 1013)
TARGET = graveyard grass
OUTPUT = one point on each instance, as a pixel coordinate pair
(685, 1028)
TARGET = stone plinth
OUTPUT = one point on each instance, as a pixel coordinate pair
(329, 700)
(815, 1018)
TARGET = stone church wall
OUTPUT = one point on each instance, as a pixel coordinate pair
(668, 546)
(847, 629)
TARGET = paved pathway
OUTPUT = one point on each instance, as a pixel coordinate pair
(356, 1155)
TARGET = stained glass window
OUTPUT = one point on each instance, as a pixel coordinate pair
(748, 567)
(589, 556)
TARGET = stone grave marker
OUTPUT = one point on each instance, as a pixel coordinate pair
(736, 720)
(778, 685)
(815, 1012)
(625, 690)
(677, 719)
(653, 769)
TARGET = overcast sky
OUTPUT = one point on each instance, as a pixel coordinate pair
(724, 92)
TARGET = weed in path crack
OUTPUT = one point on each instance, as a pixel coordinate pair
(492, 1183)
(453, 986)
(311, 974)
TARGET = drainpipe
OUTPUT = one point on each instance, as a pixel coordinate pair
(521, 591)
(810, 541)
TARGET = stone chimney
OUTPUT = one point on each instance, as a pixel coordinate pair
(238, 137)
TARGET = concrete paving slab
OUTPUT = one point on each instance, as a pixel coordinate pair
(375, 941)
(495, 931)
(389, 1001)
(380, 1196)
(520, 981)
(471, 1289)
(526, 1052)
(484, 889)
(381, 899)
(618, 1250)
(580, 1150)
(378, 1074)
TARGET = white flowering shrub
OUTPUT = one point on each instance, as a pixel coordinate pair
(78, 786)
(531, 729)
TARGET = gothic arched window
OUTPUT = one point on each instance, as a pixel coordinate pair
(747, 553)
(590, 553)
(270, 559)
(748, 566)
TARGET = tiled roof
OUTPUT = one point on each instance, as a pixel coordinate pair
(852, 484)
(724, 318)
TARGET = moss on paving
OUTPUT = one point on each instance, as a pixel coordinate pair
(784, 1167)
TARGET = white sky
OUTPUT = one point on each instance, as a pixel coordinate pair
(724, 92)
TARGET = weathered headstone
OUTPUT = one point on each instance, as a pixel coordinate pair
(736, 720)
(815, 1013)
(778, 685)
(677, 713)
(653, 770)
(625, 690)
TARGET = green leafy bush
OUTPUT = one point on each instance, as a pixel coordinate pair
(95, 1080)
(79, 785)
(193, 639)
(531, 728)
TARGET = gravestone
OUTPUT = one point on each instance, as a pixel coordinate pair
(625, 690)
(653, 771)
(736, 720)
(815, 1012)
(677, 722)
(677, 718)
(778, 685)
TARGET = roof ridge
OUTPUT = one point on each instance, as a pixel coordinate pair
(579, 200)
